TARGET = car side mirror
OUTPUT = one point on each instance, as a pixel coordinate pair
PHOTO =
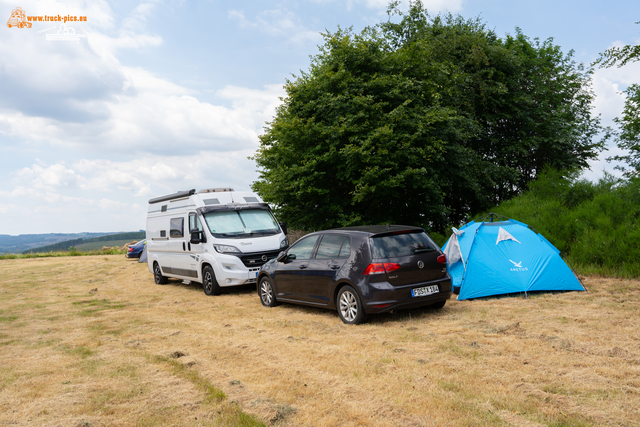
(281, 256)
(283, 225)
(197, 237)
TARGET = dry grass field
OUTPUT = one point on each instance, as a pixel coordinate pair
(92, 341)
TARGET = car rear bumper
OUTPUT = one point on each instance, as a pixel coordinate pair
(383, 297)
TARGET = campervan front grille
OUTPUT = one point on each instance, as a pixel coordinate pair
(257, 259)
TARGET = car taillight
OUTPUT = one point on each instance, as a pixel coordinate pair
(379, 268)
(442, 259)
(391, 266)
(130, 249)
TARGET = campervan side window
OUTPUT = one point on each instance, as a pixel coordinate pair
(177, 227)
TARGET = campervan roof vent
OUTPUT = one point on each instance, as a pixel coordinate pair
(215, 190)
(211, 202)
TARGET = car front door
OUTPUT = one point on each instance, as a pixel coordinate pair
(290, 273)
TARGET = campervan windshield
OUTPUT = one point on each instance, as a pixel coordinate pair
(241, 223)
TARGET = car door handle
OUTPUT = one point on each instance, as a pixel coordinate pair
(334, 266)
(302, 266)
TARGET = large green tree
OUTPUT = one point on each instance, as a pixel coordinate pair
(628, 136)
(422, 121)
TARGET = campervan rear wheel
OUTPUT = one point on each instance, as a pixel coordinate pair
(157, 275)
(209, 282)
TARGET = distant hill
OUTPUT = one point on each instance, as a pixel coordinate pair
(114, 239)
(96, 246)
(23, 242)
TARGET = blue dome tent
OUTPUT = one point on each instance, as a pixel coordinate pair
(497, 255)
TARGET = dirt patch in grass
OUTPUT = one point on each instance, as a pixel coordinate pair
(92, 341)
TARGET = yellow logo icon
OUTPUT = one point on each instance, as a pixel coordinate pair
(18, 19)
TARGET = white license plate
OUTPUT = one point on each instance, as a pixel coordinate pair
(427, 290)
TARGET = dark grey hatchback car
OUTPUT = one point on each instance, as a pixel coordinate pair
(358, 271)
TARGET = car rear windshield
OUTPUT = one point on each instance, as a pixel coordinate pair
(399, 245)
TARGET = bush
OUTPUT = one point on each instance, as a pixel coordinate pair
(594, 225)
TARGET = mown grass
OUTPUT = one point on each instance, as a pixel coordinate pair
(74, 348)
(169, 355)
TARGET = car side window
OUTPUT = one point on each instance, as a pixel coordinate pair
(331, 247)
(302, 248)
(345, 250)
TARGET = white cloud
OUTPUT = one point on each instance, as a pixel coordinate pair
(152, 115)
(433, 6)
(7, 208)
(112, 205)
(113, 136)
(50, 177)
(608, 84)
(69, 198)
(140, 178)
(278, 23)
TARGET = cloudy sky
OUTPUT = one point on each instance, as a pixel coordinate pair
(152, 97)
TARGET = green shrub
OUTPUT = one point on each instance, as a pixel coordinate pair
(594, 225)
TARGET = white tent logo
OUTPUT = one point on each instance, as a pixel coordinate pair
(517, 266)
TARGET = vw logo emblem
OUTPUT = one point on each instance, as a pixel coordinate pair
(264, 258)
(420, 264)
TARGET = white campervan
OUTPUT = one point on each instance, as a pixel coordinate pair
(217, 237)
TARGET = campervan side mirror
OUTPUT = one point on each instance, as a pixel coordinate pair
(283, 225)
(197, 237)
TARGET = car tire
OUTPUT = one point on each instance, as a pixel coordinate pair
(266, 292)
(209, 282)
(438, 305)
(157, 275)
(349, 305)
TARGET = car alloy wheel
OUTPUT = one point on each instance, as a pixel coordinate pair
(267, 293)
(349, 306)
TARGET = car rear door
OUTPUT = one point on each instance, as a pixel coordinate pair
(324, 268)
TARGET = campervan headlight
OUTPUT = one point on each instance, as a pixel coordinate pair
(284, 243)
(226, 249)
